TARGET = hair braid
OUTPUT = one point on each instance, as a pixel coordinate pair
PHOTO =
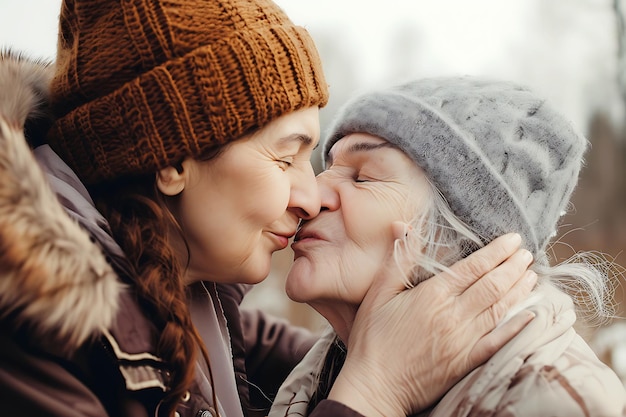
(139, 225)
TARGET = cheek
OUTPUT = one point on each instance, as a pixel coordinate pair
(370, 240)
(345, 271)
(266, 196)
(367, 219)
(376, 208)
(358, 266)
(247, 201)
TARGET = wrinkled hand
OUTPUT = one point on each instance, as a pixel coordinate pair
(408, 347)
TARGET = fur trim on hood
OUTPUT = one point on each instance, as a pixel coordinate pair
(53, 278)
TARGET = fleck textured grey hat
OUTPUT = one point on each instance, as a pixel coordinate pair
(503, 158)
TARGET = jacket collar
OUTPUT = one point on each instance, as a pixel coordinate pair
(78, 204)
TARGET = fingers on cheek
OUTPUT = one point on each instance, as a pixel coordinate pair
(493, 287)
(495, 284)
(497, 311)
(477, 265)
(481, 263)
(505, 246)
(522, 259)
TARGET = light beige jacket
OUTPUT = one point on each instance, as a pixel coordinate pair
(546, 370)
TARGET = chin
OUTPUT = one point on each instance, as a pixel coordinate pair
(298, 284)
(292, 293)
(296, 296)
(253, 272)
(256, 277)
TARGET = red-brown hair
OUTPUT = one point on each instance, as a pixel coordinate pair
(140, 222)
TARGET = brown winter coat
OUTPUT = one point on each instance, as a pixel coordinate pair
(73, 339)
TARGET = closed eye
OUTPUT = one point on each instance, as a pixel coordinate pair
(285, 162)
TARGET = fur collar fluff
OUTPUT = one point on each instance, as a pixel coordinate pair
(54, 281)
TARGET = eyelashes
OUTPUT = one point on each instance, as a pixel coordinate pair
(285, 162)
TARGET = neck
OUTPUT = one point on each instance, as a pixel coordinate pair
(341, 317)
(182, 254)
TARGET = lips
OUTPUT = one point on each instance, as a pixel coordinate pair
(286, 230)
(304, 233)
(287, 235)
(282, 238)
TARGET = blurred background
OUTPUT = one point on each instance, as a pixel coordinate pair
(573, 52)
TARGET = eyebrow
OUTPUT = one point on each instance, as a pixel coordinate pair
(360, 147)
(300, 137)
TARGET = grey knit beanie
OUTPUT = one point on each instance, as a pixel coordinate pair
(503, 158)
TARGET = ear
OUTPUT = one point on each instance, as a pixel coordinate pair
(171, 180)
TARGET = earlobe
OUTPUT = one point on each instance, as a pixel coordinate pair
(171, 180)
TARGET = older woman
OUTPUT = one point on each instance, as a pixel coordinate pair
(454, 162)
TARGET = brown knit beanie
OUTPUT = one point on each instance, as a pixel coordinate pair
(142, 84)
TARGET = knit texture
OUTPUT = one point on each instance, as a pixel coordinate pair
(142, 84)
(504, 159)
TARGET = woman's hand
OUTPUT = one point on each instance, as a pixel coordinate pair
(408, 347)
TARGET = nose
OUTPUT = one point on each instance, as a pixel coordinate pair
(329, 197)
(304, 199)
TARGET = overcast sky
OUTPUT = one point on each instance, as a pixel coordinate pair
(565, 49)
